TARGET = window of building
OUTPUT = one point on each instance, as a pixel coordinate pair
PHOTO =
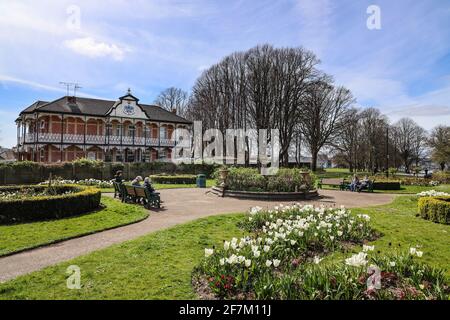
(119, 156)
(131, 131)
(109, 129)
(163, 132)
(162, 154)
(118, 130)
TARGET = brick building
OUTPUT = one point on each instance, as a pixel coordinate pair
(70, 128)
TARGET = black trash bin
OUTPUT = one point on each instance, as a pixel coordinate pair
(201, 181)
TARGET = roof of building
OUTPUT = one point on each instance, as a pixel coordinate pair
(98, 107)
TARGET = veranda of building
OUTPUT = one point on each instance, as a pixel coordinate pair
(70, 128)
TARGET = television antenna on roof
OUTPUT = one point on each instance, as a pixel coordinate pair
(71, 86)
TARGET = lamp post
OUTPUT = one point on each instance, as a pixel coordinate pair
(387, 152)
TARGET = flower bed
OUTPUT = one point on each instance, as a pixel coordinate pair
(174, 179)
(432, 193)
(286, 180)
(282, 259)
(35, 203)
(102, 184)
(435, 208)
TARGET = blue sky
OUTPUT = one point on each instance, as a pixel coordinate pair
(403, 68)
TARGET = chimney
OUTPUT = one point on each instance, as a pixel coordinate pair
(72, 100)
(174, 111)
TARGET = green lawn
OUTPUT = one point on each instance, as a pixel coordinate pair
(159, 265)
(159, 186)
(156, 266)
(399, 224)
(28, 235)
(338, 173)
(404, 189)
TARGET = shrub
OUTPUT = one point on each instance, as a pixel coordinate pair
(35, 208)
(386, 185)
(174, 179)
(392, 171)
(441, 176)
(436, 209)
(286, 180)
(83, 162)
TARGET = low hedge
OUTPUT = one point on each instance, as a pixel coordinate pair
(386, 185)
(81, 200)
(176, 179)
(436, 209)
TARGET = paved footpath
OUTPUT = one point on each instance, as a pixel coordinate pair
(180, 206)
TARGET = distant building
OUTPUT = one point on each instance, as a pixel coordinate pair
(322, 161)
(6, 154)
(123, 130)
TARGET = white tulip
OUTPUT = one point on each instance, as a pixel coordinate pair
(248, 263)
(208, 252)
(357, 260)
(276, 263)
(268, 263)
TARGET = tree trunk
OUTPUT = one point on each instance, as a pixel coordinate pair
(350, 166)
(314, 159)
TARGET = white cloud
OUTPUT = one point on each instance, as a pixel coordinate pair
(92, 48)
(36, 85)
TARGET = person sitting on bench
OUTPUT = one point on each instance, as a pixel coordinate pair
(118, 177)
(364, 184)
(355, 183)
(137, 181)
(148, 185)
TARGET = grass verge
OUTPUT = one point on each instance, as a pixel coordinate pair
(159, 265)
(19, 237)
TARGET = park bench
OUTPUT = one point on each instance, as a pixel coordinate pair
(117, 190)
(140, 194)
(150, 199)
(345, 185)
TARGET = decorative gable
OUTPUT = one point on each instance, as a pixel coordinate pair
(128, 107)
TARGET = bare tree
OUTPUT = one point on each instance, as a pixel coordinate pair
(347, 141)
(173, 99)
(322, 115)
(262, 88)
(439, 141)
(410, 136)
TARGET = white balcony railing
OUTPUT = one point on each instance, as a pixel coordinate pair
(167, 142)
(152, 141)
(114, 139)
(96, 139)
